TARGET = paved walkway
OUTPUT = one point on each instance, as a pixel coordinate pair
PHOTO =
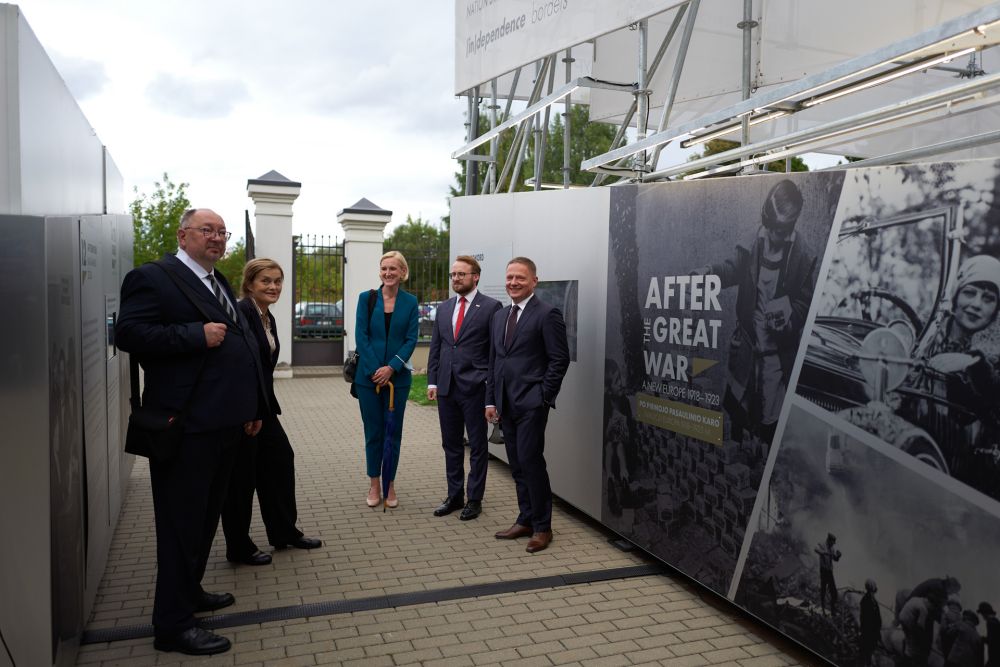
(405, 587)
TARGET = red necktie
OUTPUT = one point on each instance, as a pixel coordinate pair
(461, 316)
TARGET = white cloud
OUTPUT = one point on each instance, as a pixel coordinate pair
(195, 99)
(85, 78)
(352, 99)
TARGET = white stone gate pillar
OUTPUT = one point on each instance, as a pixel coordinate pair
(364, 230)
(273, 196)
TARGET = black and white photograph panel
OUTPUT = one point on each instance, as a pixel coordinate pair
(905, 342)
(709, 287)
(861, 556)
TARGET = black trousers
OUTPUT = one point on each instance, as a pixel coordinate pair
(265, 463)
(457, 413)
(188, 493)
(524, 438)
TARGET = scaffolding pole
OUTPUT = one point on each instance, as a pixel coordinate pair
(627, 120)
(566, 120)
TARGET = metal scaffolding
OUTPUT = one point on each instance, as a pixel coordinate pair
(637, 160)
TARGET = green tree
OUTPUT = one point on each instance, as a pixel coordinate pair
(155, 218)
(231, 266)
(587, 139)
(716, 146)
(425, 247)
(319, 269)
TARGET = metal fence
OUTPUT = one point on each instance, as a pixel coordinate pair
(429, 265)
(318, 271)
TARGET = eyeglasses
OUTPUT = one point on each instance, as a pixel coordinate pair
(208, 232)
(459, 275)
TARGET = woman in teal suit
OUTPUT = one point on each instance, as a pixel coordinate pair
(385, 342)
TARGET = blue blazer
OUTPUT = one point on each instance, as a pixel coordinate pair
(375, 349)
(461, 365)
(529, 371)
(165, 331)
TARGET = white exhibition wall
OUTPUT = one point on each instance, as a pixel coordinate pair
(566, 233)
(55, 163)
(741, 403)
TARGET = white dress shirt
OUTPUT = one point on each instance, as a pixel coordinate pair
(202, 274)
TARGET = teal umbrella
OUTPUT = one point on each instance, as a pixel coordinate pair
(388, 453)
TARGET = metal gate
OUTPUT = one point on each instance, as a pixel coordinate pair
(318, 313)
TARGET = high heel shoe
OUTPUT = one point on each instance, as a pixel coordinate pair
(373, 502)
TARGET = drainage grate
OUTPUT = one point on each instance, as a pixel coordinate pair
(380, 602)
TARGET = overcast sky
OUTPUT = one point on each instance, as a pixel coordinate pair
(351, 98)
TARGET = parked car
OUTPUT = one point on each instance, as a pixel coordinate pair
(314, 319)
(867, 359)
(428, 313)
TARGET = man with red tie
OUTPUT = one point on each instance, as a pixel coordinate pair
(456, 379)
(529, 355)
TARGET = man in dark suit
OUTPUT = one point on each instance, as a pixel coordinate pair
(210, 370)
(529, 356)
(456, 379)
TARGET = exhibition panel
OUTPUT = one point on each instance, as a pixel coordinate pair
(565, 233)
(800, 398)
(796, 386)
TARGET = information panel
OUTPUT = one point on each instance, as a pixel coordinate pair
(800, 398)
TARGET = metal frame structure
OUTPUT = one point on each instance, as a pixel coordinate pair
(637, 161)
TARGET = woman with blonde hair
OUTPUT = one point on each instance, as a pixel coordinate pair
(265, 462)
(385, 336)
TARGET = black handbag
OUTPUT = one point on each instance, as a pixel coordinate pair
(351, 363)
(155, 433)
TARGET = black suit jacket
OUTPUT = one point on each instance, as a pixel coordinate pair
(530, 370)
(267, 360)
(160, 325)
(461, 365)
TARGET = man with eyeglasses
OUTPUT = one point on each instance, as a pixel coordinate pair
(199, 362)
(456, 379)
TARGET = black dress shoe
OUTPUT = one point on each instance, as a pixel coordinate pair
(472, 509)
(193, 641)
(213, 601)
(256, 558)
(302, 543)
(449, 505)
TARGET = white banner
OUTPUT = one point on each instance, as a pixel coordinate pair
(493, 37)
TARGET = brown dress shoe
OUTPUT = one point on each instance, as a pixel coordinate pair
(539, 541)
(514, 532)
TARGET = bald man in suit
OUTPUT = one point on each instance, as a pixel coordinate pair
(200, 359)
(529, 355)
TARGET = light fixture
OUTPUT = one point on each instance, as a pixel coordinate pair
(885, 77)
(729, 129)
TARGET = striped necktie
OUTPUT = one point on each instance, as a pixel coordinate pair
(223, 301)
(511, 323)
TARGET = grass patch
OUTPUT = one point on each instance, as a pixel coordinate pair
(418, 390)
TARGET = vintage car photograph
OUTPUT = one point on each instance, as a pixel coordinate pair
(905, 341)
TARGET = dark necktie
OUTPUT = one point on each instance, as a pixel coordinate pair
(461, 316)
(511, 323)
(223, 301)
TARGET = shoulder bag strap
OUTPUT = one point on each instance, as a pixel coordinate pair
(184, 287)
(371, 308)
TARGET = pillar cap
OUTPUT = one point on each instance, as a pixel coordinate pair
(275, 179)
(365, 207)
